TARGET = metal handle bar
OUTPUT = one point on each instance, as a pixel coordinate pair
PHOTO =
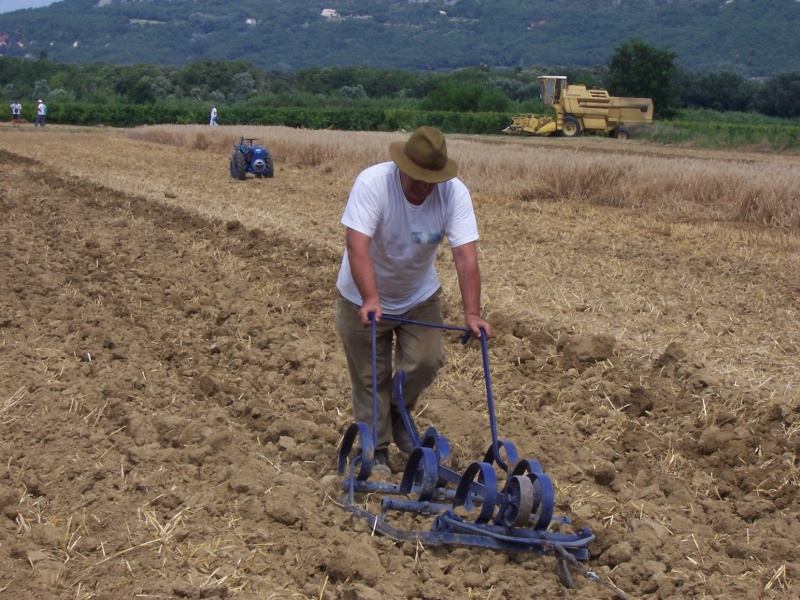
(464, 340)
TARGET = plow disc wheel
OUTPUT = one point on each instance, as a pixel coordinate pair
(544, 495)
(486, 487)
(519, 501)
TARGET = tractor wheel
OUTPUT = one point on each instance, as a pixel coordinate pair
(238, 166)
(622, 134)
(269, 170)
(571, 127)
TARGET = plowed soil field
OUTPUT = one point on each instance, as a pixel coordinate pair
(172, 389)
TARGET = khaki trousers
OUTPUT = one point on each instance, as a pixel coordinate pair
(418, 351)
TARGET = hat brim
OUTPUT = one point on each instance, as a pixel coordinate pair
(397, 150)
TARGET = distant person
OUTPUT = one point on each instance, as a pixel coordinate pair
(41, 113)
(213, 116)
(16, 113)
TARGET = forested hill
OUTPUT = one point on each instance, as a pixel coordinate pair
(749, 37)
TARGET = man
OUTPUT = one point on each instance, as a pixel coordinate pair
(213, 116)
(396, 216)
(41, 113)
(16, 112)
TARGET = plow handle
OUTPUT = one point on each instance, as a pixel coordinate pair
(487, 377)
(490, 405)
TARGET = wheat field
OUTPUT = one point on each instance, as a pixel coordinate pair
(173, 392)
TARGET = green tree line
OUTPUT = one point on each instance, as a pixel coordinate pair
(362, 98)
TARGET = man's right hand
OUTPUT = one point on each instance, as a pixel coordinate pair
(370, 306)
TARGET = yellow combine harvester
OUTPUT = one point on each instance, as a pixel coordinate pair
(581, 110)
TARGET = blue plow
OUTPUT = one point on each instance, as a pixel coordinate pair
(501, 502)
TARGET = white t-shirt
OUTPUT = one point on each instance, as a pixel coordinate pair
(16, 108)
(404, 237)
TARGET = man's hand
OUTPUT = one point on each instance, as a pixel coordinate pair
(476, 324)
(370, 306)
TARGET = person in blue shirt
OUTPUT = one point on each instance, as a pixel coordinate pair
(41, 113)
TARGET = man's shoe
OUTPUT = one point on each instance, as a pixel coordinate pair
(380, 464)
(401, 437)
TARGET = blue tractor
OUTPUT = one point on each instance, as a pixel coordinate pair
(247, 158)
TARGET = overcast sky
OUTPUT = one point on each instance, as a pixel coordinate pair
(9, 5)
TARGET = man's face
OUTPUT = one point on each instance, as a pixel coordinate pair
(415, 191)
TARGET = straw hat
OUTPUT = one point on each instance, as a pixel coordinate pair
(424, 156)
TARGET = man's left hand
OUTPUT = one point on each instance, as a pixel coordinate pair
(476, 325)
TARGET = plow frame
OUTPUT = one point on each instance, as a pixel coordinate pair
(512, 515)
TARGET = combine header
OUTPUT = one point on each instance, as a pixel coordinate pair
(501, 502)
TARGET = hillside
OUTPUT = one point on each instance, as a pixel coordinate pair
(714, 35)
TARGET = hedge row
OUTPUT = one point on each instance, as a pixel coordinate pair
(348, 119)
(717, 134)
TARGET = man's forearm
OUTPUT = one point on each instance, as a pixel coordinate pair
(363, 272)
(469, 278)
(361, 264)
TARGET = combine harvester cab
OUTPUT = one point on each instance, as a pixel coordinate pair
(580, 110)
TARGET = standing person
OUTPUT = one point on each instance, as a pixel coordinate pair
(16, 112)
(213, 116)
(396, 216)
(41, 113)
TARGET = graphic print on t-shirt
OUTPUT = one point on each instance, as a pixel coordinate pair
(431, 239)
